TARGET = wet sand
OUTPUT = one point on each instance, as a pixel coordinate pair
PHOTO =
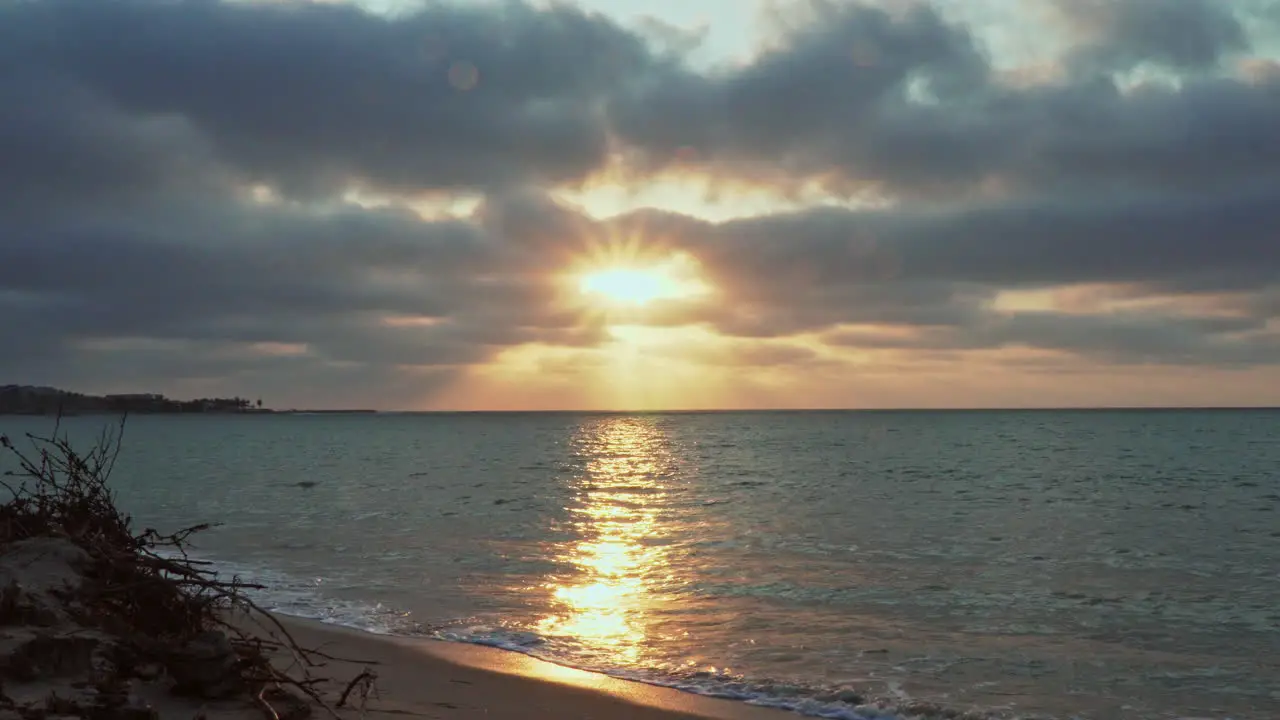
(432, 679)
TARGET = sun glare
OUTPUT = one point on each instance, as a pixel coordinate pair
(630, 286)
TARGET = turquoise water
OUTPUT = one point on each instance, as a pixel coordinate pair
(1062, 564)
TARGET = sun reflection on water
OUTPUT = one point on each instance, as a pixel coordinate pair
(609, 603)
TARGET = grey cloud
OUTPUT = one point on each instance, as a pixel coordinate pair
(906, 105)
(62, 143)
(311, 95)
(267, 261)
(317, 95)
(1135, 338)
(1227, 241)
(205, 368)
(1128, 338)
(799, 308)
(937, 273)
(1263, 304)
(1178, 33)
(129, 249)
(794, 106)
(547, 232)
(208, 292)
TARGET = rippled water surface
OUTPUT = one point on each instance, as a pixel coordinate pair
(1073, 564)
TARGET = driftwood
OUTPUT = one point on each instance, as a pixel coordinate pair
(170, 617)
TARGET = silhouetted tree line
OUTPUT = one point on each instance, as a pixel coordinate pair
(31, 400)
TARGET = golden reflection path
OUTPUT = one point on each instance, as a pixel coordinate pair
(608, 605)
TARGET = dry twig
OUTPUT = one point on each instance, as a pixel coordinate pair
(142, 586)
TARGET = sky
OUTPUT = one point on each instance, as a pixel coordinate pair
(667, 204)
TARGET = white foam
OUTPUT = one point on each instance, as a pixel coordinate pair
(306, 598)
(836, 704)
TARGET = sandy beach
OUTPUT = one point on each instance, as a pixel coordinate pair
(432, 679)
(56, 656)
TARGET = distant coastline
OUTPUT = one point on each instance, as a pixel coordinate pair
(39, 400)
(42, 400)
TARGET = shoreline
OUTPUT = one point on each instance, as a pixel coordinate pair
(422, 677)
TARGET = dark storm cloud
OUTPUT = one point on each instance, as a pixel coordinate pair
(132, 255)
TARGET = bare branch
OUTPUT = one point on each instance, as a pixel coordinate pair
(143, 586)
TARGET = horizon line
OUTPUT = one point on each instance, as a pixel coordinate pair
(710, 411)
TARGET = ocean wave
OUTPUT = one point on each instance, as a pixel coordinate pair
(307, 599)
(821, 701)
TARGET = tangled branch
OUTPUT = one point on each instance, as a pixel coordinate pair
(166, 610)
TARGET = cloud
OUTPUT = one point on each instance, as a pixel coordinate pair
(310, 96)
(905, 105)
(809, 105)
(352, 287)
(1126, 338)
(799, 271)
(1224, 240)
(1182, 34)
(934, 279)
(205, 196)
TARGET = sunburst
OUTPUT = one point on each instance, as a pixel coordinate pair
(624, 272)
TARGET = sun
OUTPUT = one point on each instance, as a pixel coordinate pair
(630, 286)
(626, 286)
(630, 275)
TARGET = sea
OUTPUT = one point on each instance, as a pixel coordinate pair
(1091, 565)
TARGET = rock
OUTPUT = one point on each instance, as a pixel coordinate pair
(35, 575)
(18, 607)
(42, 564)
(30, 654)
(207, 667)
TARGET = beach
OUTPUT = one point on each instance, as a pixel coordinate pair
(431, 679)
(60, 658)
